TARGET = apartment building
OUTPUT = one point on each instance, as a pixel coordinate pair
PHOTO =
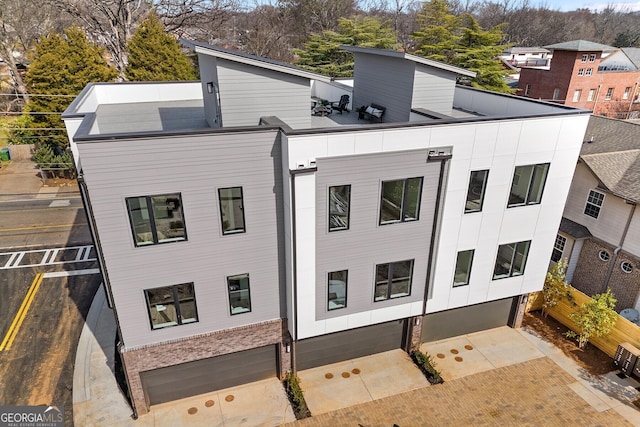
(244, 232)
(587, 75)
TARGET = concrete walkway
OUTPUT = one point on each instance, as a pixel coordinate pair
(502, 376)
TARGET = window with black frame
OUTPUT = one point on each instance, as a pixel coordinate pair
(393, 280)
(339, 203)
(511, 260)
(156, 219)
(475, 193)
(558, 248)
(463, 268)
(171, 305)
(232, 210)
(337, 296)
(239, 294)
(400, 201)
(528, 184)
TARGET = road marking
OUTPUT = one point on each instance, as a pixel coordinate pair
(60, 203)
(49, 257)
(52, 274)
(22, 313)
(41, 227)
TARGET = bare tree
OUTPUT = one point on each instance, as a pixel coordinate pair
(264, 32)
(22, 22)
(203, 20)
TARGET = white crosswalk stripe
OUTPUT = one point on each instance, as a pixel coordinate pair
(51, 256)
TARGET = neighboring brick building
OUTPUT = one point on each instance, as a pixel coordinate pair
(587, 75)
(600, 231)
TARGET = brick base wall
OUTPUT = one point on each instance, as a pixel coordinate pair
(137, 360)
(591, 272)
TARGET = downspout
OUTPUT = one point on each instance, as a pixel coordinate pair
(617, 250)
(435, 228)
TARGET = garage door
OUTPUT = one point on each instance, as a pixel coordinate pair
(206, 375)
(339, 346)
(465, 320)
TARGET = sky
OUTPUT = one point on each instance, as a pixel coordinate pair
(568, 5)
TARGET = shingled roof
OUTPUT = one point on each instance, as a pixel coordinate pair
(612, 152)
(633, 53)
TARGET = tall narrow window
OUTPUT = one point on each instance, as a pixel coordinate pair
(527, 90)
(171, 305)
(337, 296)
(400, 200)
(556, 94)
(627, 92)
(609, 94)
(558, 248)
(511, 260)
(594, 204)
(475, 193)
(592, 95)
(239, 295)
(231, 210)
(463, 268)
(339, 203)
(576, 95)
(528, 184)
(156, 219)
(393, 280)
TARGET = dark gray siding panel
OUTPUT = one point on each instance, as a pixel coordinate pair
(332, 348)
(195, 166)
(466, 320)
(374, 83)
(433, 89)
(248, 93)
(206, 375)
(366, 243)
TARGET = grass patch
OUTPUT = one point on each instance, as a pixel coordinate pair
(427, 366)
(296, 397)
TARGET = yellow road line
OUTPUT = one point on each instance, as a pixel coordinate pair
(40, 227)
(22, 313)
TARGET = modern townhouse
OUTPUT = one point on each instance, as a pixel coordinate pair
(245, 230)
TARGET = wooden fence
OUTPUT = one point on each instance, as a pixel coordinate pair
(21, 151)
(623, 331)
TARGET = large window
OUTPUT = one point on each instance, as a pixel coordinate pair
(592, 95)
(232, 210)
(511, 260)
(463, 268)
(475, 193)
(528, 184)
(400, 200)
(156, 219)
(558, 248)
(576, 95)
(171, 305)
(627, 92)
(393, 280)
(239, 296)
(339, 203)
(609, 94)
(337, 296)
(594, 204)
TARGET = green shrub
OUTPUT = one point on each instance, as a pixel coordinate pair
(427, 366)
(296, 397)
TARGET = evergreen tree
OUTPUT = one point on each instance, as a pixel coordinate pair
(321, 54)
(461, 41)
(156, 56)
(61, 65)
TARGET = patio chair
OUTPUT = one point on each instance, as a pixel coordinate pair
(341, 105)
